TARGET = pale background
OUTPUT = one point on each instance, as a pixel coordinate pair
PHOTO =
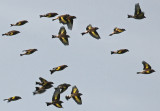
(108, 82)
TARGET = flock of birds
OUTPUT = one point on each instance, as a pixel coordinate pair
(63, 37)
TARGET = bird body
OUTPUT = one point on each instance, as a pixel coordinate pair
(92, 31)
(59, 68)
(138, 14)
(62, 35)
(14, 98)
(29, 51)
(121, 51)
(75, 95)
(117, 31)
(147, 69)
(20, 23)
(56, 99)
(49, 15)
(10, 33)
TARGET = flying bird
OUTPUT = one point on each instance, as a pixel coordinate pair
(20, 23)
(147, 69)
(46, 84)
(14, 98)
(39, 90)
(59, 68)
(10, 33)
(63, 87)
(92, 31)
(62, 18)
(70, 21)
(117, 31)
(75, 95)
(28, 52)
(121, 51)
(138, 14)
(56, 99)
(62, 35)
(49, 15)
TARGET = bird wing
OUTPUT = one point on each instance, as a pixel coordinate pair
(62, 30)
(64, 40)
(63, 19)
(77, 99)
(58, 105)
(70, 23)
(74, 90)
(146, 65)
(43, 80)
(94, 34)
(137, 9)
(89, 27)
(56, 95)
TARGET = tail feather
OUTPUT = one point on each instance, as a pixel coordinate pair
(53, 36)
(138, 72)
(67, 97)
(34, 93)
(5, 99)
(130, 16)
(83, 33)
(41, 16)
(111, 34)
(47, 103)
(112, 52)
(21, 54)
(12, 25)
(52, 71)
(53, 19)
(38, 83)
(3, 34)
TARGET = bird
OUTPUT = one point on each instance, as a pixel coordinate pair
(59, 68)
(14, 98)
(70, 21)
(62, 18)
(56, 99)
(121, 51)
(138, 14)
(147, 69)
(75, 95)
(46, 84)
(10, 33)
(49, 15)
(62, 35)
(92, 31)
(39, 90)
(117, 31)
(20, 23)
(63, 87)
(28, 52)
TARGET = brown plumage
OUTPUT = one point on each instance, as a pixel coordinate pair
(20, 23)
(117, 31)
(147, 69)
(28, 52)
(10, 33)
(59, 68)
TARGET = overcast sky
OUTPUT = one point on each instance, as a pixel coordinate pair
(107, 82)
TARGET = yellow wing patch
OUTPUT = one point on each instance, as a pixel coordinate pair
(77, 99)
(58, 105)
(94, 34)
(58, 68)
(64, 21)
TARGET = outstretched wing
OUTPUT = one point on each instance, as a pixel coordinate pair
(89, 27)
(70, 23)
(94, 34)
(146, 65)
(137, 9)
(43, 80)
(56, 95)
(64, 40)
(62, 30)
(77, 99)
(74, 90)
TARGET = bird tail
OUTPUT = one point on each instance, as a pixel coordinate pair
(83, 33)
(21, 54)
(48, 103)
(3, 34)
(34, 93)
(52, 71)
(12, 25)
(111, 34)
(67, 97)
(53, 19)
(112, 52)
(130, 16)
(138, 72)
(5, 99)
(38, 83)
(53, 36)
(41, 16)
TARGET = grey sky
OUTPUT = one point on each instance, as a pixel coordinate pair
(108, 82)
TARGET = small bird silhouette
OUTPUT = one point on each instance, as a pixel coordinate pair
(49, 15)
(147, 69)
(70, 21)
(56, 99)
(46, 84)
(138, 14)
(10, 33)
(92, 31)
(20, 23)
(121, 51)
(75, 95)
(28, 52)
(59, 68)
(117, 31)
(62, 35)
(14, 98)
